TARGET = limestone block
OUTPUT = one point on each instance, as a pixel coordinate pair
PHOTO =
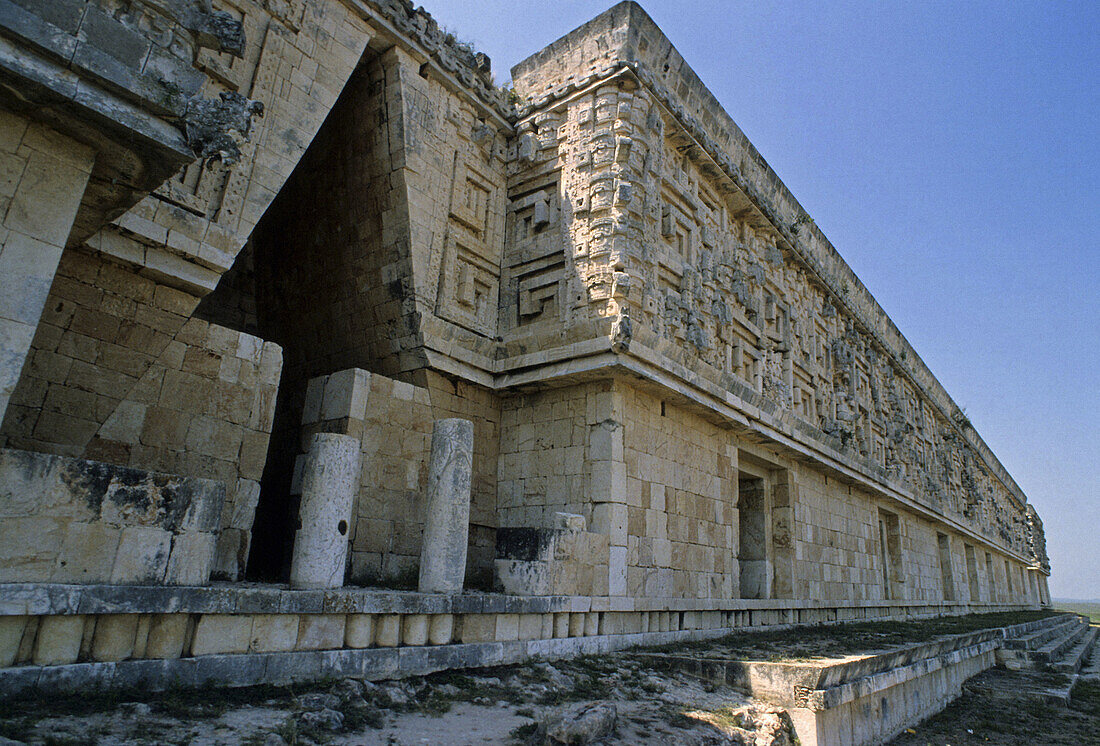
(447, 523)
(478, 628)
(576, 624)
(569, 522)
(167, 636)
(230, 551)
(610, 519)
(523, 578)
(359, 631)
(87, 554)
(141, 637)
(222, 633)
(11, 634)
(616, 579)
(142, 555)
(114, 637)
(440, 629)
(591, 624)
(330, 481)
(561, 624)
(58, 640)
(346, 394)
(315, 392)
(530, 626)
(274, 633)
(191, 559)
(414, 629)
(387, 630)
(507, 627)
(547, 626)
(320, 632)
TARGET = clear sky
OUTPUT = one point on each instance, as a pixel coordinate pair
(949, 150)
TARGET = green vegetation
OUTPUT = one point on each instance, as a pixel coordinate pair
(1091, 609)
(996, 709)
(836, 640)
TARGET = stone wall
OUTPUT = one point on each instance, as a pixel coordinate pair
(38, 166)
(394, 422)
(681, 508)
(661, 480)
(645, 328)
(119, 374)
(681, 254)
(68, 520)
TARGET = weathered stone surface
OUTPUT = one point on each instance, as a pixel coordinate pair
(387, 631)
(583, 723)
(443, 556)
(359, 632)
(321, 632)
(167, 636)
(115, 637)
(440, 629)
(11, 634)
(329, 482)
(58, 640)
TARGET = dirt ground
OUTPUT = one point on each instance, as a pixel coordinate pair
(507, 705)
(995, 710)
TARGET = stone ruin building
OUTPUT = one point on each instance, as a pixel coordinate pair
(254, 255)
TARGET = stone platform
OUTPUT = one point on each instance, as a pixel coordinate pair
(869, 698)
(58, 637)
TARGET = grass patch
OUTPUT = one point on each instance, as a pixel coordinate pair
(524, 733)
(1091, 609)
(849, 638)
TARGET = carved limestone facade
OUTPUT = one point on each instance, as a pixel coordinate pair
(228, 229)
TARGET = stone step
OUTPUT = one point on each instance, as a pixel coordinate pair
(1044, 686)
(1079, 654)
(1091, 669)
(1043, 635)
(1054, 650)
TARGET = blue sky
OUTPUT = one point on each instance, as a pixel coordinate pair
(949, 150)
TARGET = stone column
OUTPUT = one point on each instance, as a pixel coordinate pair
(330, 479)
(447, 525)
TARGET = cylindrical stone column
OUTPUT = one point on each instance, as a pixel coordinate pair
(447, 524)
(330, 479)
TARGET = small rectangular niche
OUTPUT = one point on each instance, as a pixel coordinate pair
(972, 574)
(946, 571)
(893, 576)
(991, 577)
(752, 536)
